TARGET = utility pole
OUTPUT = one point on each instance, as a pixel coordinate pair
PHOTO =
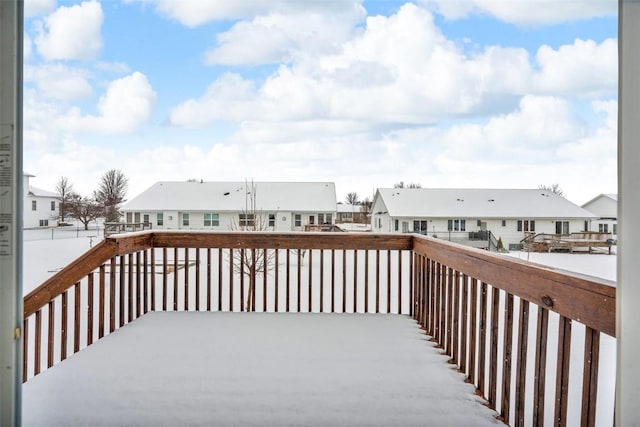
(11, 33)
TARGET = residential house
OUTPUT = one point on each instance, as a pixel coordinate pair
(605, 208)
(468, 215)
(41, 207)
(198, 205)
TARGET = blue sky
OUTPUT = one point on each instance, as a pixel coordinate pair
(465, 93)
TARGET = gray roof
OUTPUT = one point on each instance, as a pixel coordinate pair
(478, 203)
(235, 196)
(39, 192)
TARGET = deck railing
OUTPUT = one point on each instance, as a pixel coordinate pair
(475, 305)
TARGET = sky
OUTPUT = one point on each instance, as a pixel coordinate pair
(363, 93)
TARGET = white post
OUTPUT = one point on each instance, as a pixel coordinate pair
(628, 287)
(11, 28)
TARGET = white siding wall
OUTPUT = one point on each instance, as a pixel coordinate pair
(509, 232)
(604, 207)
(43, 211)
(284, 220)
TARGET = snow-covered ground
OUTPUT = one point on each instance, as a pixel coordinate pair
(597, 265)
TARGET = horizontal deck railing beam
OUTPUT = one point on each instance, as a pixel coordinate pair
(270, 240)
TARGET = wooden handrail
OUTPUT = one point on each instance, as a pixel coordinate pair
(68, 276)
(589, 300)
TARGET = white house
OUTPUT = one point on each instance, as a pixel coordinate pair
(467, 214)
(278, 206)
(605, 208)
(40, 206)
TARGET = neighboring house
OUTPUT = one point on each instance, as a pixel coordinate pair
(605, 208)
(350, 214)
(463, 214)
(41, 207)
(278, 206)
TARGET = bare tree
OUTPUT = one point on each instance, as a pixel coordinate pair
(352, 198)
(366, 206)
(251, 262)
(64, 188)
(84, 209)
(111, 193)
(401, 184)
(554, 188)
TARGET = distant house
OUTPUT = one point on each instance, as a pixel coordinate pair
(40, 206)
(350, 214)
(469, 214)
(276, 206)
(605, 208)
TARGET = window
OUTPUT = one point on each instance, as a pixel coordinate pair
(297, 220)
(526, 225)
(211, 219)
(615, 228)
(185, 219)
(246, 220)
(346, 215)
(145, 218)
(603, 228)
(160, 218)
(405, 227)
(44, 223)
(34, 205)
(586, 226)
(328, 218)
(379, 222)
(396, 225)
(321, 218)
(562, 227)
(272, 220)
(504, 222)
(479, 223)
(457, 225)
(129, 217)
(420, 227)
(53, 205)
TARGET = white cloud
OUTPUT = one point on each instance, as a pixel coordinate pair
(398, 69)
(278, 37)
(543, 141)
(71, 32)
(525, 12)
(126, 105)
(57, 81)
(196, 12)
(38, 7)
(228, 98)
(584, 67)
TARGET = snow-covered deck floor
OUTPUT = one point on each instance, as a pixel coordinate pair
(244, 369)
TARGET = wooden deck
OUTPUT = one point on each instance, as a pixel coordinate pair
(499, 320)
(574, 242)
(250, 369)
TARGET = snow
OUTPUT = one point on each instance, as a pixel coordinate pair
(292, 369)
(249, 369)
(597, 265)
